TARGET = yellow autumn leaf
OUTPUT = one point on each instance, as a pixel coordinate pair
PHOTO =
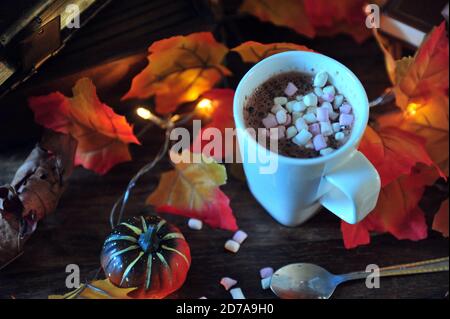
(99, 289)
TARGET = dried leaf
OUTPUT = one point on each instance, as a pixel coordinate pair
(102, 135)
(180, 69)
(99, 289)
(440, 222)
(192, 190)
(253, 52)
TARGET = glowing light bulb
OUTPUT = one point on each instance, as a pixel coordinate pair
(144, 113)
(411, 109)
(205, 106)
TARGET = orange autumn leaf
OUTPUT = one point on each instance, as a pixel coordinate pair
(428, 74)
(286, 13)
(253, 52)
(440, 222)
(180, 69)
(393, 152)
(99, 289)
(102, 135)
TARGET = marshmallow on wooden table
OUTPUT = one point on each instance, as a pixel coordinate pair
(322, 114)
(320, 79)
(281, 100)
(339, 136)
(302, 138)
(276, 108)
(266, 272)
(236, 293)
(281, 116)
(270, 121)
(232, 246)
(195, 224)
(338, 100)
(291, 89)
(326, 129)
(346, 119)
(326, 151)
(291, 132)
(310, 99)
(310, 118)
(319, 142)
(345, 108)
(336, 127)
(314, 129)
(240, 236)
(329, 90)
(301, 124)
(228, 282)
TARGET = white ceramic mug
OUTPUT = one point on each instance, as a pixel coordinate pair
(344, 182)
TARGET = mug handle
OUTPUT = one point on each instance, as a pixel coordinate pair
(351, 190)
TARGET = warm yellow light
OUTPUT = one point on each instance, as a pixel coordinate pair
(412, 109)
(205, 106)
(144, 113)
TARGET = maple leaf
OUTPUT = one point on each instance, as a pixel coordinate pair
(253, 52)
(221, 118)
(102, 135)
(428, 73)
(98, 289)
(397, 212)
(286, 13)
(440, 222)
(192, 190)
(180, 69)
(393, 152)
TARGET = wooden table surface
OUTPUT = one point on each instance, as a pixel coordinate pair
(75, 232)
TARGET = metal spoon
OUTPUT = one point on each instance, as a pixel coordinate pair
(309, 281)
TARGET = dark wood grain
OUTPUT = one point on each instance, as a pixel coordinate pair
(75, 233)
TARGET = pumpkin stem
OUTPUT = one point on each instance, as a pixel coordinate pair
(149, 240)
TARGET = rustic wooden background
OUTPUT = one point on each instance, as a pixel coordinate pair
(75, 232)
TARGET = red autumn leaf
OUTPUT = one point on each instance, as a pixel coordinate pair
(397, 213)
(180, 69)
(102, 135)
(221, 118)
(440, 222)
(394, 152)
(253, 52)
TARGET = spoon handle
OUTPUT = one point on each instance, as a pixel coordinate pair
(421, 267)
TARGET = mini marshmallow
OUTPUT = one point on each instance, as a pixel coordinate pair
(299, 106)
(280, 100)
(266, 272)
(288, 120)
(322, 114)
(318, 91)
(281, 116)
(232, 246)
(339, 136)
(236, 293)
(291, 132)
(336, 127)
(327, 105)
(276, 108)
(265, 283)
(296, 116)
(195, 224)
(329, 90)
(345, 108)
(302, 138)
(309, 145)
(334, 116)
(228, 282)
(291, 89)
(346, 119)
(338, 100)
(321, 79)
(310, 118)
(277, 133)
(240, 236)
(319, 142)
(299, 97)
(327, 97)
(326, 151)
(270, 121)
(289, 105)
(314, 129)
(310, 99)
(312, 109)
(300, 124)
(326, 129)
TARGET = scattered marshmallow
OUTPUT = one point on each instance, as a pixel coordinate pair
(326, 151)
(280, 100)
(276, 108)
(299, 106)
(291, 132)
(338, 100)
(302, 138)
(345, 108)
(326, 129)
(236, 293)
(345, 119)
(319, 142)
(320, 79)
(195, 224)
(291, 89)
(265, 283)
(270, 121)
(228, 282)
(329, 90)
(240, 236)
(322, 114)
(266, 272)
(336, 127)
(232, 246)
(310, 118)
(301, 124)
(281, 116)
(314, 129)
(310, 99)
(339, 136)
